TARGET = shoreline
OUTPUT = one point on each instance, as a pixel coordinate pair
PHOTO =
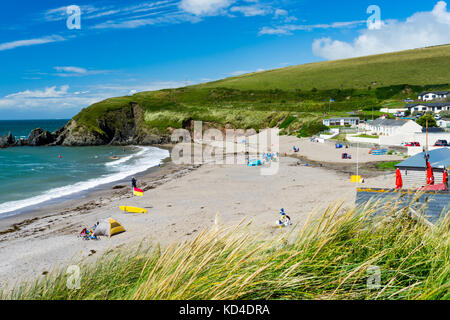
(182, 200)
(99, 196)
(71, 199)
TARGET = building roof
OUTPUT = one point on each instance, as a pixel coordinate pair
(388, 122)
(435, 104)
(432, 129)
(439, 158)
(345, 118)
(435, 92)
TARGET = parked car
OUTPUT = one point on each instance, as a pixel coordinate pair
(437, 117)
(441, 143)
(411, 144)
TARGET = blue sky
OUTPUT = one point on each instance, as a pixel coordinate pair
(51, 71)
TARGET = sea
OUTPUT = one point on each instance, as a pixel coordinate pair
(31, 177)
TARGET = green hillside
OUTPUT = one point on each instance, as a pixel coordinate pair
(268, 99)
(415, 67)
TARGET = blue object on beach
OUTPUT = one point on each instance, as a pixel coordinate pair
(339, 146)
(254, 163)
(380, 152)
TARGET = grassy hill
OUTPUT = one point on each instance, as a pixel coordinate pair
(418, 67)
(268, 99)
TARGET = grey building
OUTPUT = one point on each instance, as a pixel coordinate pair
(413, 169)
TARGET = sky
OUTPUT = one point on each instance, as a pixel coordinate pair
(57, 56)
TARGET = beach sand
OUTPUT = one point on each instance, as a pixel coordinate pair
(182, 200)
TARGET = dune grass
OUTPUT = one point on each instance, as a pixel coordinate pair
(331, 257)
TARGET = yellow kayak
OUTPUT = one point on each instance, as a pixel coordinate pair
(133, 209)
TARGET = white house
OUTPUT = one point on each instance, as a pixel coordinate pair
(425, 107)
(352, 121)
(389, 127)
(394, 110)
(434, 95)
(444, 123)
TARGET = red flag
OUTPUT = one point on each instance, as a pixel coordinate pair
(430, 176)
(398, 179)
(138, 192)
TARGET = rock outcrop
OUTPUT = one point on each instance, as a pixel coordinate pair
(39, 137)
(7, 140)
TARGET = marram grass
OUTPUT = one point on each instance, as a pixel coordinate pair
(331, 257)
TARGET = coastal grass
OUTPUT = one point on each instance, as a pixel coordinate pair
(333, 256)
(390, 165)
(367, 136)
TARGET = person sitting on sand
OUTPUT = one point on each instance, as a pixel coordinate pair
(285, 219)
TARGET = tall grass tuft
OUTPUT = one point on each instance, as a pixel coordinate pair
(330, 257)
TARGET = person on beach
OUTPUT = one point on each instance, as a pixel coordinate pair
(133, 183)
(285, 219)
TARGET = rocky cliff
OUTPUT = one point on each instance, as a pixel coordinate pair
(124, 126)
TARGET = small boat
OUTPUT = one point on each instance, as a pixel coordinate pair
(114, 158)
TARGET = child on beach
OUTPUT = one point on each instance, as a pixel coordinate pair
(285, 219)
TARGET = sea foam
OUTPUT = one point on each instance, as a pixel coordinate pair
(146, 158)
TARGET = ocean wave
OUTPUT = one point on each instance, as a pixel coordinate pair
(146, 158)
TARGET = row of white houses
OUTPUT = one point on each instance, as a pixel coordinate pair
(436, 107)
(434, 95)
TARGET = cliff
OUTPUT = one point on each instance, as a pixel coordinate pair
(124, 126)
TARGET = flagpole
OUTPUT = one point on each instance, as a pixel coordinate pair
(357, 164)
(427, 155)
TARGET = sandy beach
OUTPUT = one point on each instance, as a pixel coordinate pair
(181, 200)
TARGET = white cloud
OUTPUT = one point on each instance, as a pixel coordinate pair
(290, 28)
(137, 21)
(51, 99)
(51, 92)
(254, 10)
(30, 42)
(205, 7)
(70, 71)
(59, 14)
(61, 98)
(280, 12)
(420, 30)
